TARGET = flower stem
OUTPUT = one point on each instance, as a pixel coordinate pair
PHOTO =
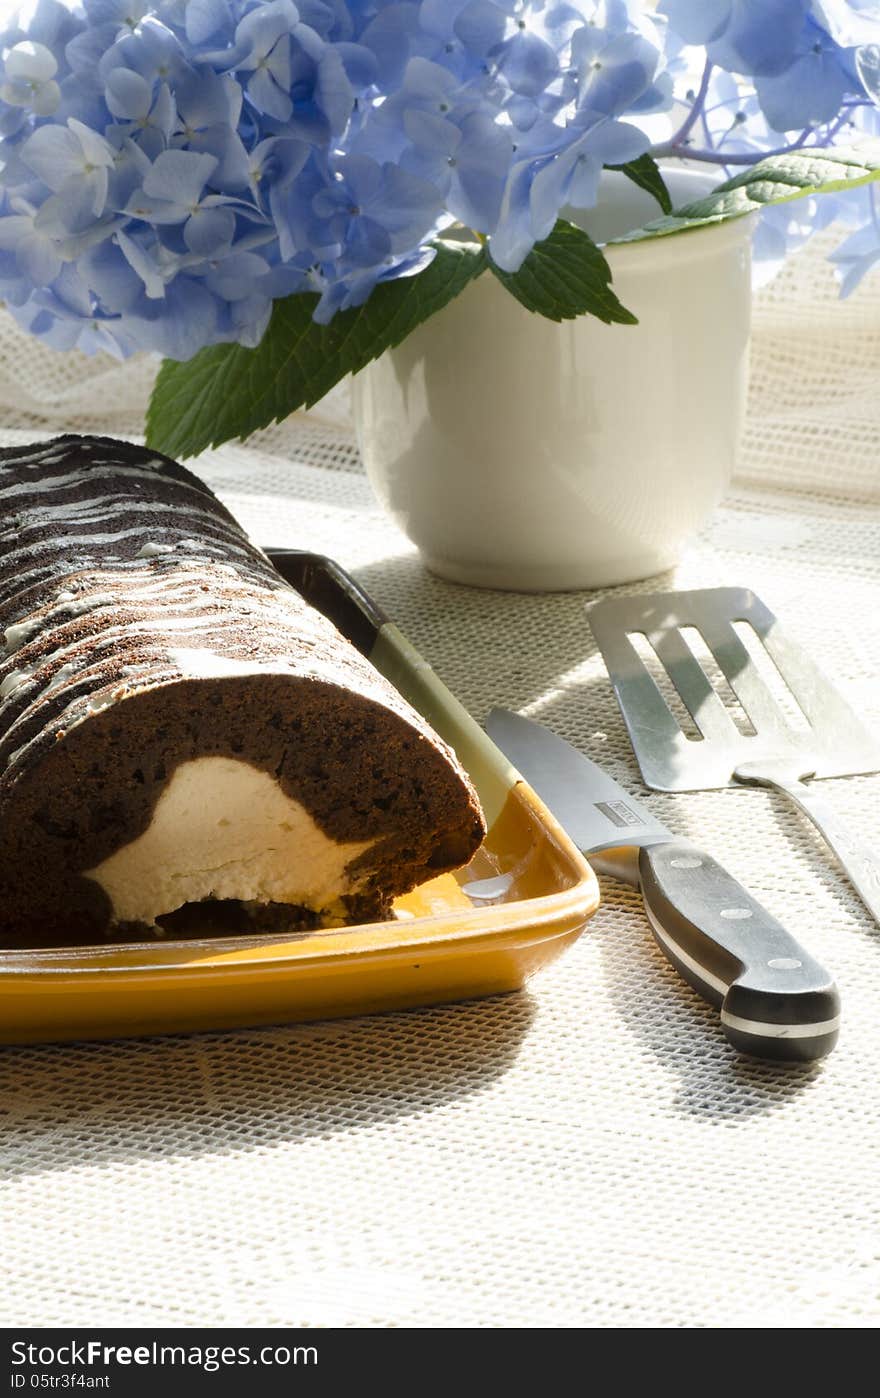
(720, 157)
(693, 115)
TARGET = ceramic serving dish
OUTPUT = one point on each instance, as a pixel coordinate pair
(526, 895)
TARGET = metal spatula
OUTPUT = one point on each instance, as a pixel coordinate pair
(715, 694)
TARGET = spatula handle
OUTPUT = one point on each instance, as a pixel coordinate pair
(860, 864)
(775, 1000)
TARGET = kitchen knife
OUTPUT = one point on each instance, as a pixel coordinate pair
(776, 1001)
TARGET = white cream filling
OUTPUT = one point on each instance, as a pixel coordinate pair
(225, 829)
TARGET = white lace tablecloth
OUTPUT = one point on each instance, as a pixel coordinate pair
(588, 1153)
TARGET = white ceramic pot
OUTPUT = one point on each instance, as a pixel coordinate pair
(520, 453)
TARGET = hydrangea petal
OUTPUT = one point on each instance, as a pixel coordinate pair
(180, 324)
(14, 228)
(512, 238)
(268, 97)
(761, 37)
(142, 264)
(112, 278)
(359, 62)
(178, 176)
(236, 276)
(848, 22)
(480, 26)
(368, 242)
(407, 204)
(127, 94)
(808, 92)
(334, 94)
(38, 259)
(206, 99)
(431, 132)
(529, 63)
(388, 36)
(210, 231)
(697, 21)
(42, 100)
(207, 20)
(54, 154)
(30, 62)
(363, 176)
(75, 207)
(480, 170)
(622, 73)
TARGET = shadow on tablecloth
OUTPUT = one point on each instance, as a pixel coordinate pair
(94, 1104)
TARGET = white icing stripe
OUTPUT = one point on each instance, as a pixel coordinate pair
(91, 471)
(119, 500)
(149, 550)
(69, 609)
(46, 524)
(14, 637)
(167, 589)
(47, 453)
(38, 457)
(177, 580)
(25, 631)
(188, 578)
(13, 681)
(79, 708)
(157, 623)
(75, 712)
(61, 677)
(49, 568)
(97, 644)
(68, 542)
(201, 663)
(106, 506)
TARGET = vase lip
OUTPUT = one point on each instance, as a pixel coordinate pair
(623, 207)
(708, 240)
(686, 183)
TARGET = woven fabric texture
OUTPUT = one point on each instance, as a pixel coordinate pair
(589, 1152)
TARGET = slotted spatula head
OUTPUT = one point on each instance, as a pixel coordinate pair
(707, 681)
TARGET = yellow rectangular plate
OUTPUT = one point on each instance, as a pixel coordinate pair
(526, 895)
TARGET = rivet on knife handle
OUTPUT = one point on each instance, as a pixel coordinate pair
(776, 1001)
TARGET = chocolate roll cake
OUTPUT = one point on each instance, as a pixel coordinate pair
(179, 729)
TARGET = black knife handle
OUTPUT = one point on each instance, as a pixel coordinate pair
(776, 1001)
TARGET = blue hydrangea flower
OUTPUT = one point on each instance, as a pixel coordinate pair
(741, 35)
(812, 86)
(813, 82)
(168, 168)
(29, 79)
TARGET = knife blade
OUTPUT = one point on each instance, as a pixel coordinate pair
(776, 1001)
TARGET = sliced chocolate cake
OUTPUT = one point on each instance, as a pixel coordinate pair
(180, 730)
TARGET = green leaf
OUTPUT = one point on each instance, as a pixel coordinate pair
(645, 172)
(227, 391)
(775, 180)
(566, 276)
